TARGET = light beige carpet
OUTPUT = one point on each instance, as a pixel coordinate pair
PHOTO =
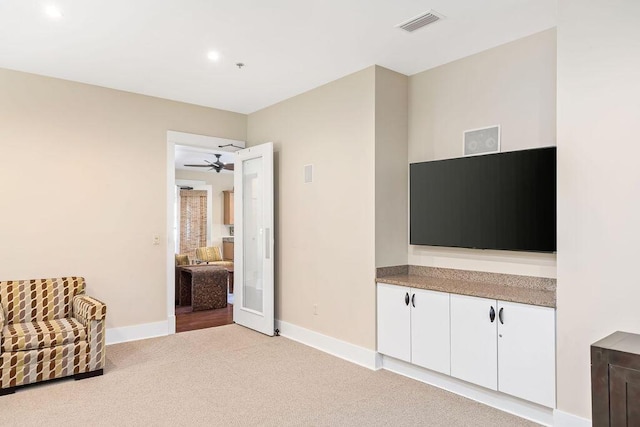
(233, 376)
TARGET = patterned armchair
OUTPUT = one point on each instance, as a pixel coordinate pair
(49, 329)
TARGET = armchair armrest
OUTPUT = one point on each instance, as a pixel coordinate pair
(86, 308)
(2, 319)
(91, 313)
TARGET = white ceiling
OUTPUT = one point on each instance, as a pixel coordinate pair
(160, 48)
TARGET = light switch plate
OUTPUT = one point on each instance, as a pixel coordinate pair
(308, 174)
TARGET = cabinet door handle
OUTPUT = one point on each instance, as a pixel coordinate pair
(406, 298)
(413, 300)
(500, 315)
(492, 314)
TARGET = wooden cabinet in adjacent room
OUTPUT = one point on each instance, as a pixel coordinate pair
(228, 207)
(227, 249)
(615, 380)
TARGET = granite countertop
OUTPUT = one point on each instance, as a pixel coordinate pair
(521, 289)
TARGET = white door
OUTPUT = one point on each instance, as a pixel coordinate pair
(474, 347)
(253, 264)
(526, 352)
(430, 347)
(394, 321)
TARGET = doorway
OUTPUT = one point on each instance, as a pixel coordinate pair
(184, 148)
(198, 218)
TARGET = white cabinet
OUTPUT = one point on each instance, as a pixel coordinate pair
(504, 346)
(526, 352)
(474, 349)
(394, 321)
(430, 330)
(499, 345)
(413, 325)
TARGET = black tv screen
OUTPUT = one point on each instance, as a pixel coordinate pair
(498, 201)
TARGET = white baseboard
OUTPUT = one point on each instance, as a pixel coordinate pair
(171, 324)
(344, 350)
(137, 332)
(504, 402)
(564, 419)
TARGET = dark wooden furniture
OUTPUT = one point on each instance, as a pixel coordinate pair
(615, 380)
(230, 270)
(203, 287)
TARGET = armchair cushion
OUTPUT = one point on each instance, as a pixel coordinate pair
(43, 334)
(209, 254)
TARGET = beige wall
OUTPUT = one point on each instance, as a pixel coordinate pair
(391, 167)
(325, 230)
(513, 85)
(219, 182)
(83, 172)
(598, 185)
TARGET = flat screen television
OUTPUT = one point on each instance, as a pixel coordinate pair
(503, 201)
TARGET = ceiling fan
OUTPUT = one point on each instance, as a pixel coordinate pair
(216, 166)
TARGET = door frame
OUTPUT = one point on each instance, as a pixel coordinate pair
(191, 140)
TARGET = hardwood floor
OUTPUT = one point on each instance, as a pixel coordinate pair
(188, 320)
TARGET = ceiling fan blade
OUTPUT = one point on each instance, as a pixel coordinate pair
(199, 166)
(228, 166)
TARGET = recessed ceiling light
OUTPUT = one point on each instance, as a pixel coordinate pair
(213, 56)
(52, 11)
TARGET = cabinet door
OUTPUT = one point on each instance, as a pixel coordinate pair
(394, 321)
(624, 392)
(430, 345)
(474, 347)
(526, 352)
(227, 251)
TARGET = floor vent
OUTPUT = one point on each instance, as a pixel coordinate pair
(420, 21)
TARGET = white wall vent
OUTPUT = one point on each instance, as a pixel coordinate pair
(422, 20)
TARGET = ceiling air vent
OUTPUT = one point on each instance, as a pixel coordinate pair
(420, 21)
